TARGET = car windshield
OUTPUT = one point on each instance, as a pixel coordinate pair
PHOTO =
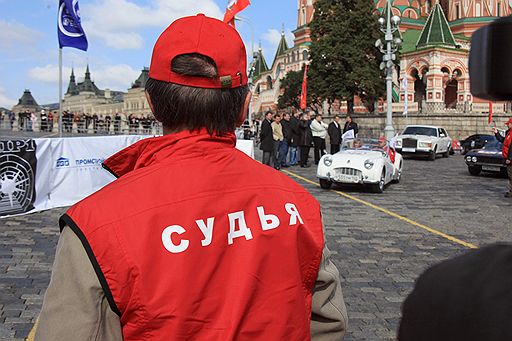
(420, 131)
(365, 144)
(493, 143)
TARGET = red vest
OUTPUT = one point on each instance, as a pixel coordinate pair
(197, 241)
(506, 144)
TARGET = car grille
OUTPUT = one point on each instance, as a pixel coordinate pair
(348, 171)
(489, 160)
(409, 143)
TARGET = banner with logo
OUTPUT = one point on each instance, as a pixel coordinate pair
(39, 174)
(77, 170)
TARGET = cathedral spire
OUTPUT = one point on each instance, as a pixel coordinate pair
(282, 47)
(260, 65)
(436, 31)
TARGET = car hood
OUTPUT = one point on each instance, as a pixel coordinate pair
(354, 158)
(485, 152)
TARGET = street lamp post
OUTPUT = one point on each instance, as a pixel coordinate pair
(389, 25)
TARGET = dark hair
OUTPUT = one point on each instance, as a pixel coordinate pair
(181, 107)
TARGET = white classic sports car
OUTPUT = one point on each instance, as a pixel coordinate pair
(425, 141)
(361, 161)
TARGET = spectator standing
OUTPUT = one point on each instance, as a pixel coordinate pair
(44, 121)
(295, 130)
(334, 131)
(305, 139)
(50, 122)
(173, 265)
(108, 120)
(506, 152)
(33, 121)
(277, 135)
(12, 118)
(266, 138)
(350, 125)
(117, 123)
(95, 123)
(319, 130)
(287, 139)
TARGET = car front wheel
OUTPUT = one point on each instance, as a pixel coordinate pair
(325, 184)
(432, 156)
(474, 170)
(379, 187)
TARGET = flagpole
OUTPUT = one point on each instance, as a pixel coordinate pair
(60, 92)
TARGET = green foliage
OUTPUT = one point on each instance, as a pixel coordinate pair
(291, 85)
(344, 60)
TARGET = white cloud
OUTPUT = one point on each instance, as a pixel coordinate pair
(272, 37)
(116, 77)
(14, 35)
(117, 22)
(5, 101)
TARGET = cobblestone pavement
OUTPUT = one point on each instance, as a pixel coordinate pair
(379, 256)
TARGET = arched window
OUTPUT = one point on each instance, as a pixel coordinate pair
(305, 55)
(269, 82)
(478, 10)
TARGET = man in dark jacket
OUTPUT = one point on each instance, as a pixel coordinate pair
(334, 131)
(507, 152)
(351, 125)
(266, 139)
(305, 139)
(287, 139)
(294, 125)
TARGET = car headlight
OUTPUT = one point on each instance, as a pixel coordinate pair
(425, 144)
(328, 161)
(468, 158)
(474, 159)
(399, 143)
(368, 164)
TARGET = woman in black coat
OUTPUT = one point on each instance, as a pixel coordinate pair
(305, 139)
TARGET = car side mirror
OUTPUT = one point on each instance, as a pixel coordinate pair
(490, 61)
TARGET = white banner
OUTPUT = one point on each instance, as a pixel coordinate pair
(39, 174)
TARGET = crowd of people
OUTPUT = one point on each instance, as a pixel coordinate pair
(81, 123)
(286, 139)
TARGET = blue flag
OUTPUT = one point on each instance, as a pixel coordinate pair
(70, 29)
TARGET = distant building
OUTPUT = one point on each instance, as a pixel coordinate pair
(26, 103)
(434, 55)
(267, 80)
(86, 97)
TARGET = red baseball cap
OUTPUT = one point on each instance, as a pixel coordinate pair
(206, 36)
(509, 121)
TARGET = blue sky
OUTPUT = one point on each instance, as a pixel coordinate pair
(121, 35)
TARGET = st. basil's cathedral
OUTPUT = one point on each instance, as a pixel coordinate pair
(436, 39)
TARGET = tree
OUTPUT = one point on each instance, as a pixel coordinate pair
(291, 86)
(344, 59)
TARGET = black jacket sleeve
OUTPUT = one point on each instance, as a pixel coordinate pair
(499, 137)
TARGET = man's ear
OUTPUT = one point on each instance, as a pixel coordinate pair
(245, 109)
(149, 101)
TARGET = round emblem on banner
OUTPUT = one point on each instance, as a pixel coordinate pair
(66, 23)
(16, 185)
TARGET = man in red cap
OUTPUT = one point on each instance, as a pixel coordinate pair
(507, 152)
(194, 240)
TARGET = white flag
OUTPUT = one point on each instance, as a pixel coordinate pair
(405, 87)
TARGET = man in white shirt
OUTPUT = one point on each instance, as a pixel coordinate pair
(319, 130)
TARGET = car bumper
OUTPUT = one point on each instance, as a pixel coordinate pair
(488, 167)
(360, 181)
(414, 151)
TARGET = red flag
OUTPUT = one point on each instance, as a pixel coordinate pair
(234, 7)
(304, 93)
(490, 113)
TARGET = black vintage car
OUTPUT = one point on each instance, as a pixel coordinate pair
(476, 141)
(487, 159)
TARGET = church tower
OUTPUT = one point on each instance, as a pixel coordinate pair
(306, 9)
